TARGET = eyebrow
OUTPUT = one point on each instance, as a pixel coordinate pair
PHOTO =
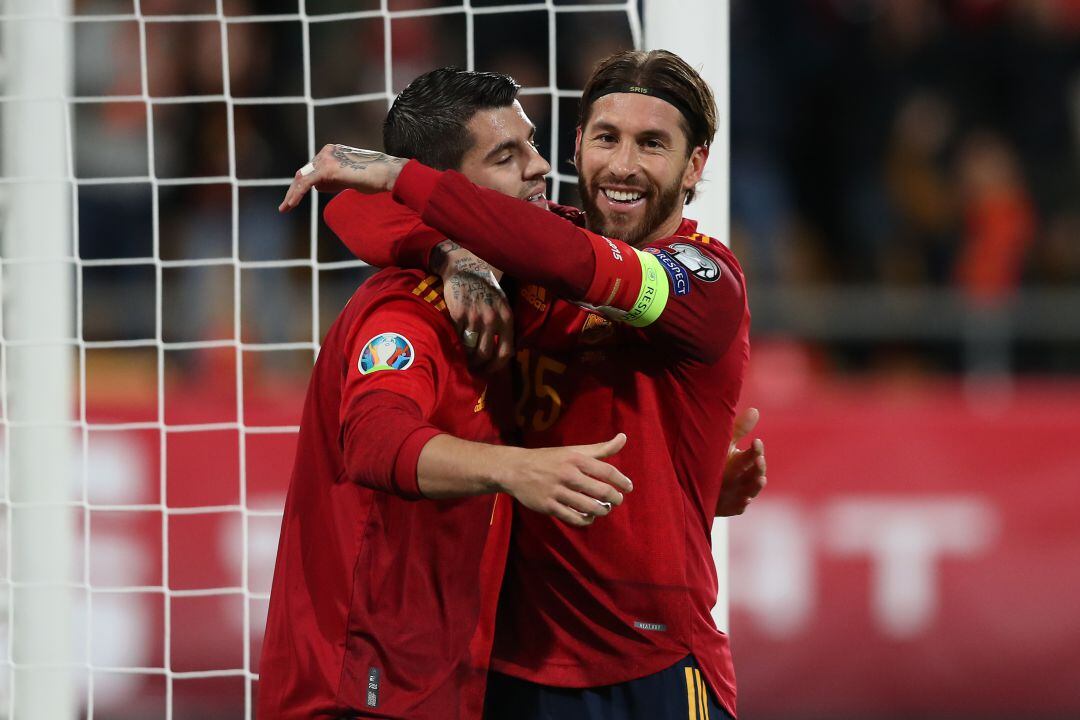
(651, 133)
(507, 145)
(500, 148)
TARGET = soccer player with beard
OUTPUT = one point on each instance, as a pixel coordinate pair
(612, 621)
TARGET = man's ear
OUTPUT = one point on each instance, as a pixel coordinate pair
(695, 166)
(577, 148)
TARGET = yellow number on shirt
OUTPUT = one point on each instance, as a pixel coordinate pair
(535, 384)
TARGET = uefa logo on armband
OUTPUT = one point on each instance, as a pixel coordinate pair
(388, 351)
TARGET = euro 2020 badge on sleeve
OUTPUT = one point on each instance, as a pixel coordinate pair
(387, 351)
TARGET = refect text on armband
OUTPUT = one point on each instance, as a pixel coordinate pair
(653, 296)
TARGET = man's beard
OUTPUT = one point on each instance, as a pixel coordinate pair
(658, 208)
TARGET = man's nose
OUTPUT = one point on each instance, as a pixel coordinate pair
(537, 166)
(623, 161)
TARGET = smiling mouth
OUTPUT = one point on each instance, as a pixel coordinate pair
(623, 196)
(536, 197)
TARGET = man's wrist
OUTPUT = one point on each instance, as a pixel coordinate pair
(440, 261)
(414, 183)
(498, 474)
(394, 171)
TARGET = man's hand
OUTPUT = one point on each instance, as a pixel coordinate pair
(340, 167)
(570, 483)
(744, 472)
(477, 305)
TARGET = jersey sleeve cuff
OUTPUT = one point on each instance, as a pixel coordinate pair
(616, 276)
(415, 250)
(407, 458)
(415, 184)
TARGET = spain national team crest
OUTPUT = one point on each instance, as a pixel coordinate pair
(388, 351)
(596, 330)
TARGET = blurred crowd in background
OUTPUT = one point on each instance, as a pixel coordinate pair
(908, 142)
(891, 144)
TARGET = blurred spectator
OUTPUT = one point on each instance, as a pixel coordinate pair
(921, 193)
(999, 222)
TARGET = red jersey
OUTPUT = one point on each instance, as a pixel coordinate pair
(383, 602)
(632, 593)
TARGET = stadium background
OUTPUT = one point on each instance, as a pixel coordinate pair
(905, 195)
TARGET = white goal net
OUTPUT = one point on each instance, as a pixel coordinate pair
(159, 318)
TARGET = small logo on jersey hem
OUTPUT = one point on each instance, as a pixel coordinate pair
(386, 351)
(372, 687)
(652, 627)
(698, 263)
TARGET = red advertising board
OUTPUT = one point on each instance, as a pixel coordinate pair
(916, 552)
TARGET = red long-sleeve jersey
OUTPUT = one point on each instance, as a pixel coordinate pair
(633, 593)
(382, 602)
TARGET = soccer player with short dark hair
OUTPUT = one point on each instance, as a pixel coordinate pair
(612, 620)
(393, 541)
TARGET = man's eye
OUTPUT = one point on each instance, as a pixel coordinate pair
(606, 138)
(504, 160)
(654, 144)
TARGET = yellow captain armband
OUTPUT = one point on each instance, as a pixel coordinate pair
(653, 297)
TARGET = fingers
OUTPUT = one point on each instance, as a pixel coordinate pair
(470, 338)
(751, 459)
(504, 354)
(571, 517)
(504, 339)
(754, 490)
(590, 464)
(297, 190)
(496, 346)
(597, 490)
(305, 179)
(583, 503)
(746, 495)
(481, 334)
(605, 473)
(744, 424)
(477, 341)
(604, 449)
(485, 349)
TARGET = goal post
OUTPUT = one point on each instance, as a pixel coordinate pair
(37, 360)
(697, 30)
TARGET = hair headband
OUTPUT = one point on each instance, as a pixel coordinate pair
(671, 99)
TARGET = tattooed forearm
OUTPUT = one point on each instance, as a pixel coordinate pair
(472, 265)
(472, 281)
(469, 289)
(357, 159)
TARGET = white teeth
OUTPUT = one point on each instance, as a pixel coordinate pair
(620, 196)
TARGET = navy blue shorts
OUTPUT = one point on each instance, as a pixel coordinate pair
(677, 693)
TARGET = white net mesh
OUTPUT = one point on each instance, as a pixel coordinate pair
(198, 309)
